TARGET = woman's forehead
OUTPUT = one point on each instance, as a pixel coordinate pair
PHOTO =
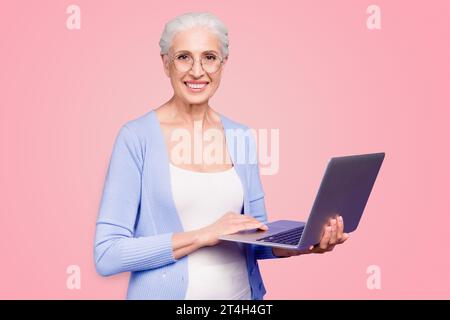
(195, 41)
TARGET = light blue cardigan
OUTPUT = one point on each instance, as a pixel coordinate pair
(137, 214)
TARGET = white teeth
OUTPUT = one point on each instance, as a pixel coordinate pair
(195, 86)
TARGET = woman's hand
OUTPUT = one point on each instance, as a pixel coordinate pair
(333, 234)
(229, 223)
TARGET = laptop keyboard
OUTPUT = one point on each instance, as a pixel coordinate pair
(291, 236)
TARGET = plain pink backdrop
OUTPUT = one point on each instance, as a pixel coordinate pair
(315, 72)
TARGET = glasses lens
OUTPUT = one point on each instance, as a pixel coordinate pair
(184, 62)
(211, 63)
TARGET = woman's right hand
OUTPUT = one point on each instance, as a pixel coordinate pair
(229, 223)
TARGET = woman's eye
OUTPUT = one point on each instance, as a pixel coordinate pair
(211, 57)
(182, 57)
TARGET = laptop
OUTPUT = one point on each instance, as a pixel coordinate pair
(344, 190)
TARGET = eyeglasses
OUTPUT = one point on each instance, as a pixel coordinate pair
(184, 62)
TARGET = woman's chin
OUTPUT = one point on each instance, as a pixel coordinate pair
(196, 99)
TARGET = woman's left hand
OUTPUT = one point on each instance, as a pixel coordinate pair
(333, 234)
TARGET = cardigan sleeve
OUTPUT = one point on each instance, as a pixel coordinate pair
(257, 203)
(116, 249)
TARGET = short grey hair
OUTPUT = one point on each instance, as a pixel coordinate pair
(191, 20)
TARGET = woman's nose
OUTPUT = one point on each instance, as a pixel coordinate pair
(197, 68)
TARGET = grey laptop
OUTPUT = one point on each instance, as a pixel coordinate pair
(344, 190)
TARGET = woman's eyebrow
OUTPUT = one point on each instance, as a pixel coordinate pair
(210, 51)
(187, 51)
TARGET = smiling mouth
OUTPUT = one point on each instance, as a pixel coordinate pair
(196, 87)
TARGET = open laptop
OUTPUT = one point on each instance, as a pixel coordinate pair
(344, 190)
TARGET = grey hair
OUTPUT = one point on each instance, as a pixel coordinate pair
(191, 20)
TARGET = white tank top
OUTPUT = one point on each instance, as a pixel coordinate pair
(220, 271)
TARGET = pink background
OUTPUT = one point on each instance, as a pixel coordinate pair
(317, 73)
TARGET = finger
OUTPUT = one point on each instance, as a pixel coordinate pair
(259, 223)
(246, 223)
(315, 249)
(254, 225)
(333, 232)
(340, 230)
(325, 238)
(247, 218)
(319, 250)
(345, 237)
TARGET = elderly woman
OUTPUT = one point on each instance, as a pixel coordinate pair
(160, 218)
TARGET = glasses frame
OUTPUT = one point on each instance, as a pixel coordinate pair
(172, 59)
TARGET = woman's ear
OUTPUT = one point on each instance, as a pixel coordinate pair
(224, 61)
(222, 67)
(165, 61)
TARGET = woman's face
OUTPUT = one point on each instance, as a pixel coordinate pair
(198, 42)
